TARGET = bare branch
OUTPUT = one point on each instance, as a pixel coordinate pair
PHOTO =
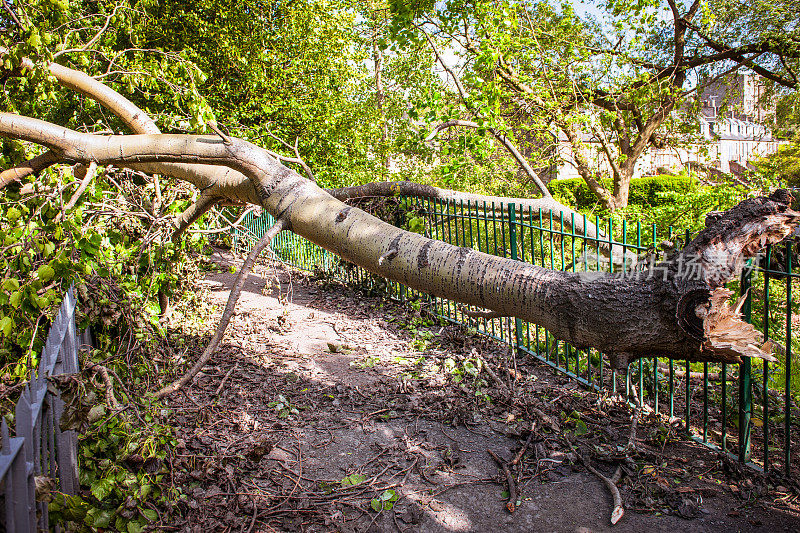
(10, 11)
(611, 483)
(739, 54)
(31, 166)
(88, 175)
(297, 160)
(507, 144)
(213, 125)
(222, 180)
(247, 266)
(192, 213)
(578, 222)
(501, 137)
(437, 129)
(692, 324)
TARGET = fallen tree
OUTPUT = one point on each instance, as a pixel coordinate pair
(677, 308)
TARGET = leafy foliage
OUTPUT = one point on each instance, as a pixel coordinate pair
(645, 192)
(783, 167)
(610, 82)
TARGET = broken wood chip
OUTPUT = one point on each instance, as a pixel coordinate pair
(727, 335)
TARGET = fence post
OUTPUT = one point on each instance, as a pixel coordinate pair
(512, 242)
(745, 379)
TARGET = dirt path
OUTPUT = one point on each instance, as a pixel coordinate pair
(323, 399)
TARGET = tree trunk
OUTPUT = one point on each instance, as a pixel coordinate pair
(664, 312)
(622, 185)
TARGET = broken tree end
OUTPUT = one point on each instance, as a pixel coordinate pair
(728, 338)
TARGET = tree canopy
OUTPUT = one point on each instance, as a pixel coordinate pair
(625, 76)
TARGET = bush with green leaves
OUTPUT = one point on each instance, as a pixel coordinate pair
(644, 192)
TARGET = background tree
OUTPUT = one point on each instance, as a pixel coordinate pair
(622, 80)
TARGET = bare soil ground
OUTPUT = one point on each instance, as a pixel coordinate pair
(323, 400)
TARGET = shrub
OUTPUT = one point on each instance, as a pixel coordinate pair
(644, 192)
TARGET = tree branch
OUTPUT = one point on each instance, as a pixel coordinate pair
(230, 307)
(192, 213)
(11, 13)
(739, 54)
(583, 164)
(687, 317)
(88, 175)
(497, 135)
(31, 166)
(503, 139)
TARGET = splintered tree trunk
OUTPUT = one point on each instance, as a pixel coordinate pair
(677, 308)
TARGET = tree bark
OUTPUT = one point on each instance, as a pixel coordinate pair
(669, 314)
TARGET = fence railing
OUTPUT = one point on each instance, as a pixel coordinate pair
(748, 410)
(40, 450)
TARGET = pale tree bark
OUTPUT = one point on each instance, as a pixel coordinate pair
(674, 315)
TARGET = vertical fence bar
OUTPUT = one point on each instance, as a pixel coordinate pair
(446, 220)
(512, 242)
(705, 401)
(724, 375)
(688, 399)
(765, 368)
(533, 261)
(494, 241)
(541, 254)
(745, 384)
(787, 411)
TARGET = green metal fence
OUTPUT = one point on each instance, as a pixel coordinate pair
(746, 410)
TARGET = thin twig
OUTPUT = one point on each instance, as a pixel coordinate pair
(525, 447)
(492, 373)
(222, 383)
(102, 371)
(611, 484)
(247, 266)
(631, 446)
(511, 505)
(88, 175)
(11, 13)
(253, 521)
(215, 128)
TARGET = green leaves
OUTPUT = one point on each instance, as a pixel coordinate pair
(102, 488)
(384, 502)
(100, 518)
(352, 480)
(6, 326)
(13, 214)
(45, 272)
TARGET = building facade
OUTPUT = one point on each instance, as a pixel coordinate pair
(732, 135)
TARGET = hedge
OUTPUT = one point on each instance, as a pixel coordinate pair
(644, 192)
